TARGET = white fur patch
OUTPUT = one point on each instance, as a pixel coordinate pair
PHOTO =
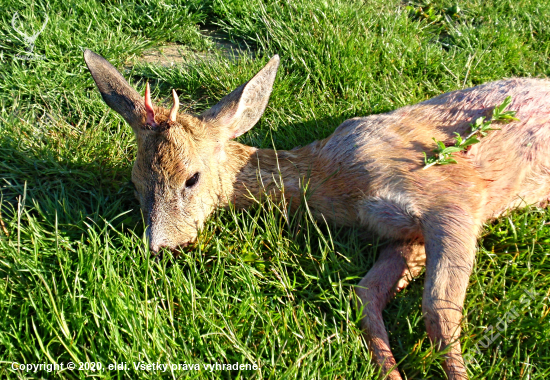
(391, 214)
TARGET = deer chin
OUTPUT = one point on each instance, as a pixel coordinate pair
(176, 250)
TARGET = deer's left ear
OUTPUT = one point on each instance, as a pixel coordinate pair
(239, 111)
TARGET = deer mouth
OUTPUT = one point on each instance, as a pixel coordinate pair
(157, 251)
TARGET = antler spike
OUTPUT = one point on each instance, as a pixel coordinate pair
(149, 106)
(174, 110)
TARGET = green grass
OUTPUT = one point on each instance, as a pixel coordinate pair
(76, 282)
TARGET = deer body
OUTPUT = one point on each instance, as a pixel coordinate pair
(368, 173)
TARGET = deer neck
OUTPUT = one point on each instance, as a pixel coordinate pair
(292, 176)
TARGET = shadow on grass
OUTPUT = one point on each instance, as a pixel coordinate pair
(65, 192)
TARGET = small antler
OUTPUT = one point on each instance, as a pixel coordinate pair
(174, 110)
(149, 107)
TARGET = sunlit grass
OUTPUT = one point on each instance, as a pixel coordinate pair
(261, 286)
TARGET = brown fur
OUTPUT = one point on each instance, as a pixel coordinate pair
(368, 173)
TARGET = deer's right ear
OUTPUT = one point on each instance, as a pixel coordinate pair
(115, 91)
(237, 112)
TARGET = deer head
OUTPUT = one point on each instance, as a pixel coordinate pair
(185, 164)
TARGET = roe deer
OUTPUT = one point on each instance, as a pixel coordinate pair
(368, 173)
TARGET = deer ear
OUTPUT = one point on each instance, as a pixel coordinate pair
(115, 91)
(237, 112)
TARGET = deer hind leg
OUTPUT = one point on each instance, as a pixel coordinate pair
(397, 265)
(450, 253)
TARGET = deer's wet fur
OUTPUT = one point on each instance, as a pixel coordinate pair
(368, 173)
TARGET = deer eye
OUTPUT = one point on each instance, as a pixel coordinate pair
(192, 181)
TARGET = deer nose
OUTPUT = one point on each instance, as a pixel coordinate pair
(156, 245)
(154, 248)
(156, 242)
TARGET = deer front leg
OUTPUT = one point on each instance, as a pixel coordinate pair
(397, 265)
(450, 242)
